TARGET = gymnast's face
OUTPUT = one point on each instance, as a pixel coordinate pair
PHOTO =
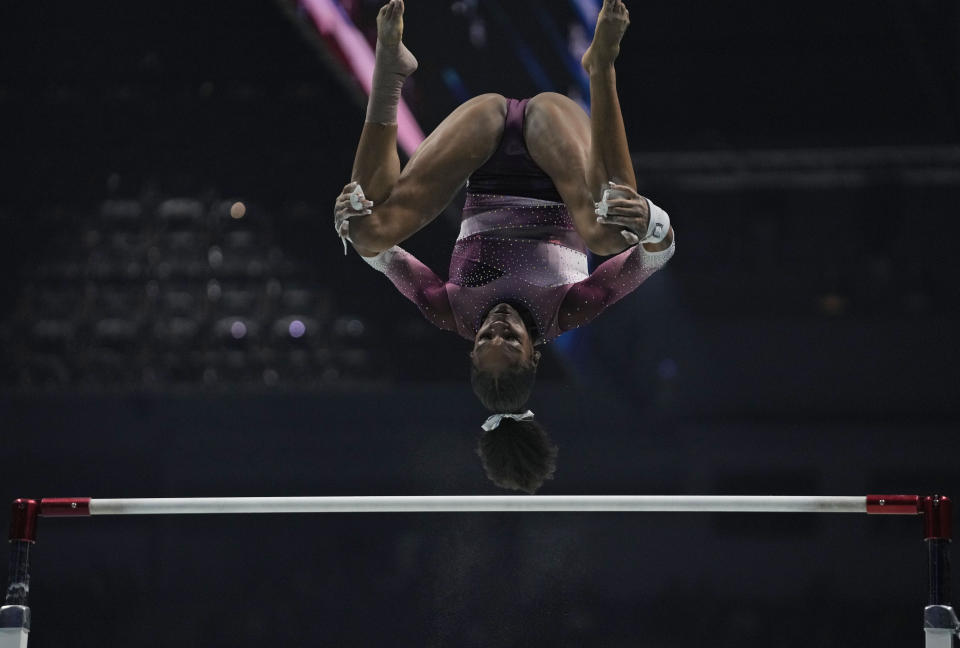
(503, 342)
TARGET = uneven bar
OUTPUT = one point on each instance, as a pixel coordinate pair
(469, 503)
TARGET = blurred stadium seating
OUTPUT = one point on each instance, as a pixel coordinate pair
(178, 293)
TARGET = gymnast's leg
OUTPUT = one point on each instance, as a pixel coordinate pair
(580, 153)
(609, 152)
(406, 201)
(376, 165)
(430, 180)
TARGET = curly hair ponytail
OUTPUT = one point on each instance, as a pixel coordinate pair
(518, 455)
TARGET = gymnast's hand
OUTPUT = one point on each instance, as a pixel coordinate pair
(623, 207)
(350, 203)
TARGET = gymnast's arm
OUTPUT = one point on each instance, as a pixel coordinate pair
(629, 212)
(372, 230)
(416, 282)
(612, 280)
(662, 246)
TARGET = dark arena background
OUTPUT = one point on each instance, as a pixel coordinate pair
(178, 320)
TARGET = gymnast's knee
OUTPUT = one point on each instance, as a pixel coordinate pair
(373, 234)
(606, 242)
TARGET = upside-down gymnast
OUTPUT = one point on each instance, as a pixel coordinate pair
(545, 183)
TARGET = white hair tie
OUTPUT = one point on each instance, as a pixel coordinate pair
(494, 421)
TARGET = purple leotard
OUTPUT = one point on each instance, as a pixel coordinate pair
(517, 244)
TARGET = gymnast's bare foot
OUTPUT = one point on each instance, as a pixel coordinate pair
(392, 54)
(611, 25)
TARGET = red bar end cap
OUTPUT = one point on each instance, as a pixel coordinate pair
(64, 506)
(894, 505)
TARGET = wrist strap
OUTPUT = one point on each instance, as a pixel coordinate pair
(659, 225)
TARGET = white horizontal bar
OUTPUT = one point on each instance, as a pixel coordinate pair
(479, 503)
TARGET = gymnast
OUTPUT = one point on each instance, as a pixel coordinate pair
(545, 183)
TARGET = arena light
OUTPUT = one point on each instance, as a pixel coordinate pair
(238, 330)
(297, 329)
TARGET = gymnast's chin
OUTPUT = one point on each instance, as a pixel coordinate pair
(515, 450)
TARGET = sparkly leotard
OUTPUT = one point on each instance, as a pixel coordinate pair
(517, 244)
